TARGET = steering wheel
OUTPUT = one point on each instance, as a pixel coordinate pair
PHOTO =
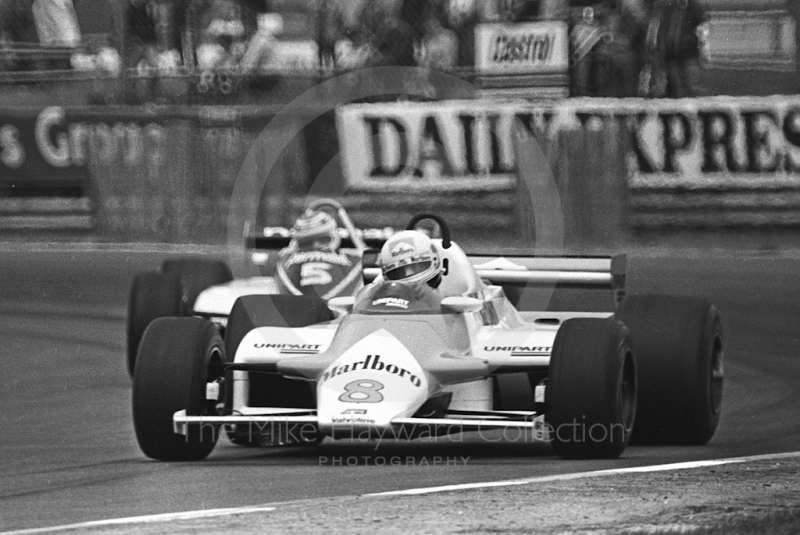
(442, 225)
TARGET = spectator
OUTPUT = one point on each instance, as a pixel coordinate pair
(16, 26)
(585, 35)
(608, 44)
(462, 16)
(16, 22)
(672, 43)
(141, 35)
(347, 32)
(155, 28)
(439, 46)
(392, 37)
(330, 30)
(221, 36)
(626, 22)
(260, 49)
(56, 23)
(169, 19)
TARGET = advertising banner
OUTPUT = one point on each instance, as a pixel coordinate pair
(432, 146)
(686, 143)
(712, 160)
(36, 147)
(522, 48)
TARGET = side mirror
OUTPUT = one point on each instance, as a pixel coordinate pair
(343, 304)
(461, 304)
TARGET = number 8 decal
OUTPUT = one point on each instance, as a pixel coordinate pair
(362, 391)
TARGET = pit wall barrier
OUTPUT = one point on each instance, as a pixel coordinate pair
(619, 167)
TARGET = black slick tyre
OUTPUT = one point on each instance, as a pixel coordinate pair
(152, 295)
(591, 389)
(678, 343)
(197, 274)
(177, 358)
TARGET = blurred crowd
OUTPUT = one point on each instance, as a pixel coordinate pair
(46, 35)
(627, 48)
(619, 48)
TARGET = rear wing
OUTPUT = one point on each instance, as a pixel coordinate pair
(273, 239)
(276, 238)
(527, 271)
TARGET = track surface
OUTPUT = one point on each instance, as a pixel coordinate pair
(68, 453)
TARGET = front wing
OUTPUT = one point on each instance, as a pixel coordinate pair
(458, 422)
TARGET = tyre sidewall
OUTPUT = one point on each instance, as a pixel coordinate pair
(673, 338)
(171, 375)
(583, 388)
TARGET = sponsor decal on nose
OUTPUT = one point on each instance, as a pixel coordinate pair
(371, 363)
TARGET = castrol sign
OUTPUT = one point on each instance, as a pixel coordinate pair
(522, 48)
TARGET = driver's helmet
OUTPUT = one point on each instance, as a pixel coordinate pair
(411, 256)
(316, 231)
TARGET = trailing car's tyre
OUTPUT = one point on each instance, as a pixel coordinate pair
(268, 390)
(197, 274)
(591, 389)
(678, 344)
(153, 295)
(177, 359)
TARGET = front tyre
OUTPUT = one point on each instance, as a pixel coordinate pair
(591, 389)
(177, 359)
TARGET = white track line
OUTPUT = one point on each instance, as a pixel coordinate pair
(166, 517)
(208, 513)
(582, 475)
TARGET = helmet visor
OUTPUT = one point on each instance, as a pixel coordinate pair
(315, 243)
(403, 272)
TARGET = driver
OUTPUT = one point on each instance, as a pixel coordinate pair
(411, 256)
(315, 231)
(313, 264)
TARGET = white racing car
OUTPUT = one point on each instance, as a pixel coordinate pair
(402, 360)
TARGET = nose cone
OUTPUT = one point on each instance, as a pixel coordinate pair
(374, 381)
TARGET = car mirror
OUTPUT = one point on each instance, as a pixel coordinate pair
(461, 304)
(343, 304)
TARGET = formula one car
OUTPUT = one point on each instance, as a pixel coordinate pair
(404, 360)
(193, 286)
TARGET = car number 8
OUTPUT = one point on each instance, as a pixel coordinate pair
(362, 391)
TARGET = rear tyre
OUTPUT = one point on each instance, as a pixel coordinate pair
(678, 343)
(591, 389)
(270, 390)
(197, 274)
(152, 295)
(177, 358)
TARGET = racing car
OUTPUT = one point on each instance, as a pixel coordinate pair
(403, 360)
(195, 286)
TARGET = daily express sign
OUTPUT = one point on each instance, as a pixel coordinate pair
(522, 48)
(463, 145)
